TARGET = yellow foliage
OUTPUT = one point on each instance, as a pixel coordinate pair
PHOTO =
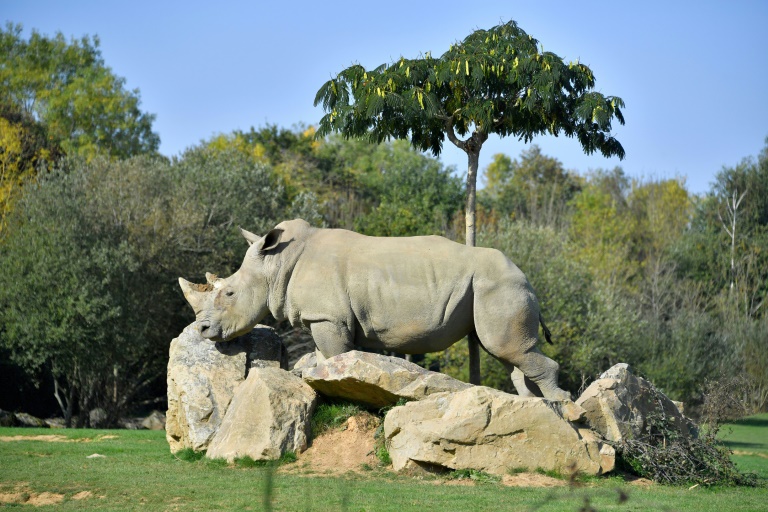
(222, 142)
(309, 133)
(259, 152)
(663, 209)
(602, 236)
(13, 172)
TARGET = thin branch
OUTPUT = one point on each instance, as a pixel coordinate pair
(452, 135)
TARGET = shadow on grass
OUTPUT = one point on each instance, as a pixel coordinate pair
(741, 444)
(752, 422)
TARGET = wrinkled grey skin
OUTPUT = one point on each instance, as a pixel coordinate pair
(410, 295)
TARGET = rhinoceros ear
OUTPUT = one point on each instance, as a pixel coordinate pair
(251, 237)
(270, 240)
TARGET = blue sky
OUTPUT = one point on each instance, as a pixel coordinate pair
(694, 75)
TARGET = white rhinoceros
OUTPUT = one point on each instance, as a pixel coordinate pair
(411, 295)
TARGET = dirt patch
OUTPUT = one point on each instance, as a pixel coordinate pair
(82, 495)
(640, 482)
(750, 454)
(531, 480)
(45, 498)
(55, 438)
(341, 451)
(13, 497)
(50, 438)
(21, 495)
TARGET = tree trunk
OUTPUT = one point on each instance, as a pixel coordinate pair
(473, 155)
(470, 211)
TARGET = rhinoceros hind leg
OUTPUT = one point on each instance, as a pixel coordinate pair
(541, 370)
(532, 373)
(525, 387)
(331, 339)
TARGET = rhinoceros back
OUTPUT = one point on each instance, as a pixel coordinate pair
(415, 294)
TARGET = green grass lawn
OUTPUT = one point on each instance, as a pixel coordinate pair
(748, 438)
(137, 472)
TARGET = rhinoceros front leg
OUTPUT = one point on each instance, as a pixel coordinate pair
(331, 339)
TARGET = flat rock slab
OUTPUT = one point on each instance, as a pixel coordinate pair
(201, 379)
(270, 415)
(619, 406)
(489, 430)
(375, 380)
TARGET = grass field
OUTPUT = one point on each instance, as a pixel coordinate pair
(748, 438)
(137, 472)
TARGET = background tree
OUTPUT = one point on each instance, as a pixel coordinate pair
(88, 268)
(355, 184)
(66, 86)
(25, 149)
(495, 81)
(398, 171)
(535, 187)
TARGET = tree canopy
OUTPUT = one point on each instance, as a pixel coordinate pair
(66, 85)
(496, 81)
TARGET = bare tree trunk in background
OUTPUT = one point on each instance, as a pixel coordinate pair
(733, 207)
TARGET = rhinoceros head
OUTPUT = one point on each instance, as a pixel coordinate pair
(229, 307)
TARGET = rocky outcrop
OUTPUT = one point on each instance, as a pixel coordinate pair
(202, 376)
(619, 405)
(269, 415)
(489, 430)
(308, 360)
(375, 380)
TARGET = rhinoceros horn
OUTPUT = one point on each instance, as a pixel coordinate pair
(211, 278)
(194, 293)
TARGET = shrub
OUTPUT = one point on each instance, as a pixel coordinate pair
(330, 415)
(666, 456)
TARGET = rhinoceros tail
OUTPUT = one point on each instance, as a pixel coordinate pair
(547, 334)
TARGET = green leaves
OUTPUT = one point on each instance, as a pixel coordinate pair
(494, 81)
(90, 258)
(69, 88)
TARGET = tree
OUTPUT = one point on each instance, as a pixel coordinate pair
(601, 228)
(495, 81)
(535, 187)
(66, 86)
(397, 171)
(91, 258)
(25, 149)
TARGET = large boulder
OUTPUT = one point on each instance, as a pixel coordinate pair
(620, 405)
(489, 430)
(375, 380)
(98, 418)
(202, 376)
(24, 419)
(7, 419)
(270, 415)
(154, 421)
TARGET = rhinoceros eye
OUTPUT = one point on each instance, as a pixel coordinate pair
(229, 293)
